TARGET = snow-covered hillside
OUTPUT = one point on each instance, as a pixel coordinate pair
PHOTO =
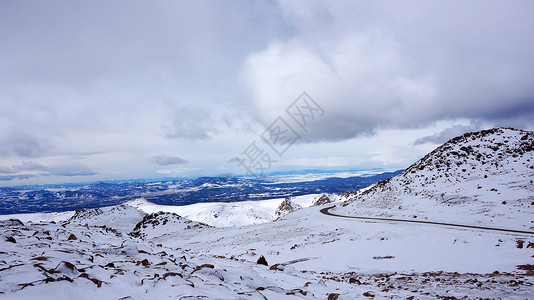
(484, 177)
(310, 255)
(160, 223)
(71, 261)
(138, 250)
(221, 214)
(119, 216)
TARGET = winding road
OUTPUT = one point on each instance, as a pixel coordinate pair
(326, 211)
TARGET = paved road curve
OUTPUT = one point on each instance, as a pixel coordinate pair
(328, 213)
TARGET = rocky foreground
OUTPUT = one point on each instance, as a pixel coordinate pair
(65, 260)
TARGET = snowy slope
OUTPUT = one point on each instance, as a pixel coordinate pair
(162, 223)
(483, 177)
(45, 263)
(220, 214)
(121, 252)
(40, 217)
(285, 207)
(310, 255)
(119, 217)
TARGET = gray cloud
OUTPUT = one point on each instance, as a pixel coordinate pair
(71, 169)
(29, 166)
(79, 75)
(235, 160)
(24, 166)
(398, 65)
(164, 160)
(84, 75)
(36, 169)
(125, 78)
(6, 170)
(13, 177)
(191, 122)
(16, 142)
(448, 133)
(61, 41)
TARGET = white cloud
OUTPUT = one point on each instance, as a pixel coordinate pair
(164, 160)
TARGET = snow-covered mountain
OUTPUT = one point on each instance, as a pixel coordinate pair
(162, 223)
(119, 216)
(484, 177)
(309, 255)
(221, 214)
(139, 250)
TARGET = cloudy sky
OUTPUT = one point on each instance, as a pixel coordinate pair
(103, 90)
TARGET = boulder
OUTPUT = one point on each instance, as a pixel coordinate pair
(262, 261)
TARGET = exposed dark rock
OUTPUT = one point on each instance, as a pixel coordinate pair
(205, 266)
(285, 207)
(81, 214)
(66, 268)
(262, 261)
(369, 294)
(169, 274)
(94, 280)
(295, 291)
(40, 258)
(322, 200)
(11, 222)
(145, 262)
(354, 280)
(333, 296)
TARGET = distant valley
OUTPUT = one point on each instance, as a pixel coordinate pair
(57, 198)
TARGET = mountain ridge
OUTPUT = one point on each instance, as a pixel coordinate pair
(487, 174)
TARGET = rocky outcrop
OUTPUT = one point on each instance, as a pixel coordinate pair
(160, 223)
(262, 261)
(285, 207)
(11, 222)
(322, 200)
(118, 217)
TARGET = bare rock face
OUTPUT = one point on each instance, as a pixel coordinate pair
(11, 222)
(322, 200)
(81, 214)
(285, 207)
(262, 261)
